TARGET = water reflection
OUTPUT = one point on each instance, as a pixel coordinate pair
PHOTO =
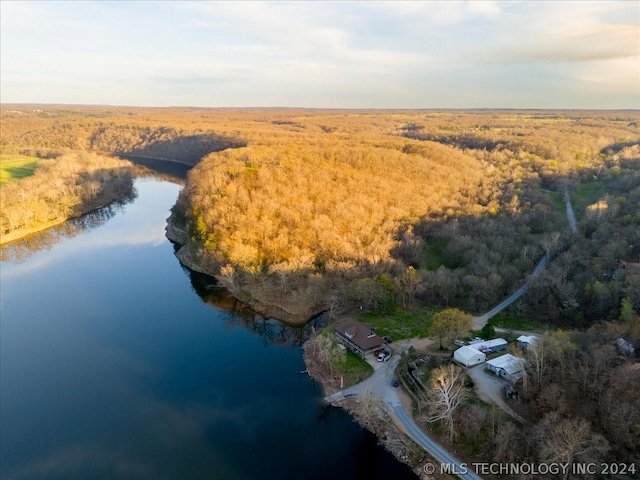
(272, 332)
(112, 367)
(160, 169)
(20, 250)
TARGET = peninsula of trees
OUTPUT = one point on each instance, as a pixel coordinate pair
(61, 188)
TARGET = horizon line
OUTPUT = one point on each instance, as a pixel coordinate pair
(98, 105)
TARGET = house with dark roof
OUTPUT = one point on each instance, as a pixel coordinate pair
(359, 338)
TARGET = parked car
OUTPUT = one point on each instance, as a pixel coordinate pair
(387, 339)
(381, 357)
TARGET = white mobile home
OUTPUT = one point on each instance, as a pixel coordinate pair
(491, 346)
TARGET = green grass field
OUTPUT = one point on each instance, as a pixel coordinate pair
(587, 194)
(505, 321)
(556, 200)
(13, 167)
(402, 323)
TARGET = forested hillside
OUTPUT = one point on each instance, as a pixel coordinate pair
(297, 211)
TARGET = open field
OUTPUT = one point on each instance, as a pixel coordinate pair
(587, 194)
(13, 167)
(402, 323)
(504, 321)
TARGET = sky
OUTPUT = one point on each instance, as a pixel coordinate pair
(475, 54)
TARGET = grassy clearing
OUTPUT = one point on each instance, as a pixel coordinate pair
(505, 321)
(13, 167)
(402, 323)
(556, 200)
(435, 255)
(587, 194)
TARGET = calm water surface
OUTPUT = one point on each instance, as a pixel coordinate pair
(113, 366)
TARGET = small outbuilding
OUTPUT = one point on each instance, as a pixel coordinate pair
(468, 356)
(358, 337)
(526, 341)
(624, 347)
(507, 366)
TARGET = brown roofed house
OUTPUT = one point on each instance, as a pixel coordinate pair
(360, 338)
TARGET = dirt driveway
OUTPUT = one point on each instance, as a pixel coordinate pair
(489, 388)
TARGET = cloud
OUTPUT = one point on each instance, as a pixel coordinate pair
(351, 54)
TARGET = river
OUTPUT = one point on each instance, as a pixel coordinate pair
(118, 363)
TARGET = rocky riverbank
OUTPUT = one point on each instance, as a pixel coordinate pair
(264, 301)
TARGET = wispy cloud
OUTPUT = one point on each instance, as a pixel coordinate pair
(348, 54)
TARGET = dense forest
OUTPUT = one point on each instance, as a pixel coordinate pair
(298, 211)
(458, 218)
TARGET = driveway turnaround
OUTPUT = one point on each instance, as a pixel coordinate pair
(379, 386)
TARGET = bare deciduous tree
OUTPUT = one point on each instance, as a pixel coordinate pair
(446, 393)
(505, 443)
(567, 440)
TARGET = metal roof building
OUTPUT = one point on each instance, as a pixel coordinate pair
(507, 366)
(469, 356)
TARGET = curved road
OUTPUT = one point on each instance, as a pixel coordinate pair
(481, 321)
(379, 386)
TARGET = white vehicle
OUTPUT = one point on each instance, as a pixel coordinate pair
(384, 356)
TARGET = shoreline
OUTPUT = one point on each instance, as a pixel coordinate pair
(387, 429)
(189, 256)
(8, 238)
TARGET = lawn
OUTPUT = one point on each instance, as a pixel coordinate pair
(354, 369)
(402, 323)
(13, 167)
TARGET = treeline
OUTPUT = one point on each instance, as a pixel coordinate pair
(118, 132)
(62, 188)
(472, 262)
(315, 209)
